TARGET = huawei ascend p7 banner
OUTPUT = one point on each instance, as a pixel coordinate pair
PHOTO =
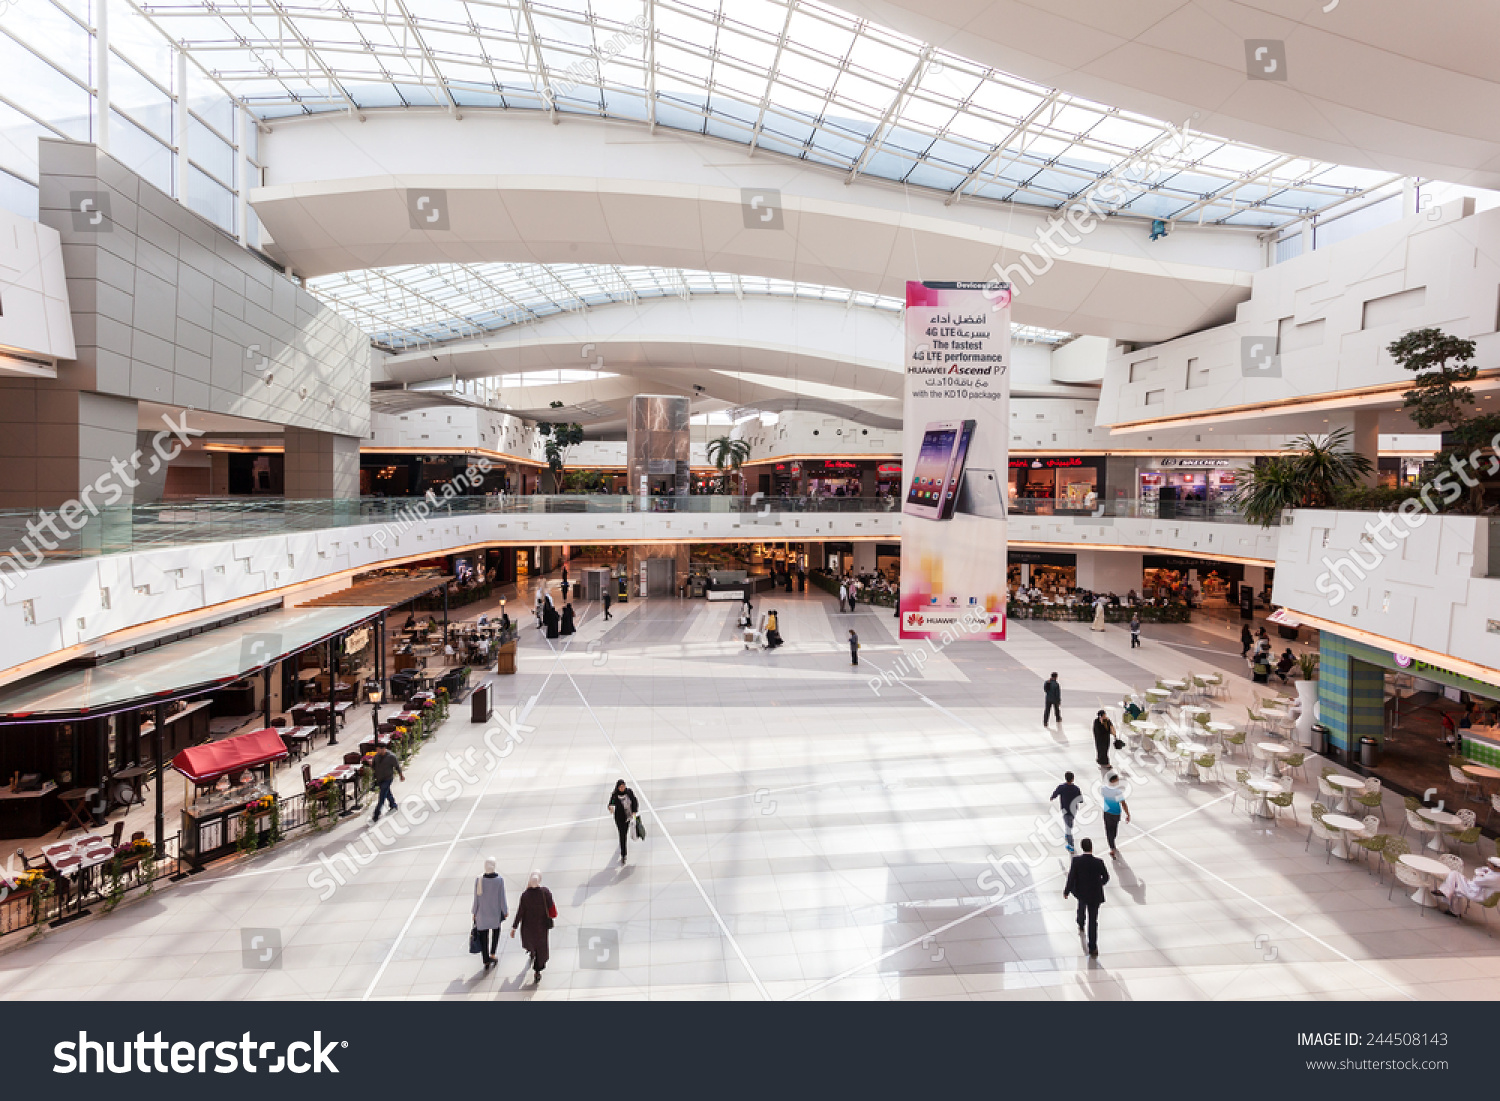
(957, 432)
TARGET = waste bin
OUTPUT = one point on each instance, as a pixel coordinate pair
(1320, 739)
(1369, 752)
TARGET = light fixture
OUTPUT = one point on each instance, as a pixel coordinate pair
(375, 695)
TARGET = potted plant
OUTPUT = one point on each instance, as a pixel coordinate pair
(1307, 694)
(1310, 473)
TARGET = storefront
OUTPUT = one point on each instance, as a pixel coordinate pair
(1165, 575)
(1054, 572)
(1207, 481)
(1423, 719)
(1066, 484)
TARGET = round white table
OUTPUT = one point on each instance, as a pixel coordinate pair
(1273, 751)
(1193, 709)
(1435, 869)
(1220, 728)
(1159, 694)
(1178, 685)
(1264, 788)
(1347, 785)
(1494, 861)
(1344, 826)
(1439, 818)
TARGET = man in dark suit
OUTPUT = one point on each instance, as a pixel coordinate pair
(1086, 879)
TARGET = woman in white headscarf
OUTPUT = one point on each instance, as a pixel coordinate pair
(534, 916)
(489, 910)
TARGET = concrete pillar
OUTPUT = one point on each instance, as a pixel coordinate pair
(55, 441)
(864, 557)
(1109, 571)
(869, 479)
(1366, 441)
(320, 465)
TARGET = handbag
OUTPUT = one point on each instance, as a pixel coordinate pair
(550, 918)
(640, 829)
(476, 942)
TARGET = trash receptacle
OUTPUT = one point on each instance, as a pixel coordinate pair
(1320, 739)
(1369, 752)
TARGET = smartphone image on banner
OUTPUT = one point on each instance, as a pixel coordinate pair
(934, 462)
(980, 494)
(956, 470)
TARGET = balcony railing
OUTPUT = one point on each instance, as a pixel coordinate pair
(34, 537)
(1132, 508)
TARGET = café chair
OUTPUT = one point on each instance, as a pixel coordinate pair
(1464, 781)
(1469, 830)
(1372, 798)
(1392, 852)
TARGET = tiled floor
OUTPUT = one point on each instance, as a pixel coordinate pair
(814, 833)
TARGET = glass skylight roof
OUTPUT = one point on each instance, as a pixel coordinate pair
(787, 76)
(418, 306)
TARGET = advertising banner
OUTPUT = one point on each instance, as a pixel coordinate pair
(956, 445)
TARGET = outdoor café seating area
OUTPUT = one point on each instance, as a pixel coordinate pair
(1186, 729)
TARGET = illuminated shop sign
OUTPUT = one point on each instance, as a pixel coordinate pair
(1045, 464)
(1199, 463)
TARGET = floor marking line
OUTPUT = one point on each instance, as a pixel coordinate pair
(437, 871)
(666, 833)
(956, 922)
(1281, 917)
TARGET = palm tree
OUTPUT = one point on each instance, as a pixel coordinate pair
(1308, 474)
(728, 455)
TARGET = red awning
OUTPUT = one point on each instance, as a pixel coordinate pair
(204, 764)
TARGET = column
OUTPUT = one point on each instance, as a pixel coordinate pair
(56, 441)
(320, 465)
(1366, 441)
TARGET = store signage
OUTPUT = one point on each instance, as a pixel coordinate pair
(355, 641)
(1166, 462)
(1403, 660)
(1045, 464)
(956, 442)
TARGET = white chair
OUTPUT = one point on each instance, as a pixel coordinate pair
(1465, 782)
(1455, 863)
(1410, 877)
(1329, 792)
(1494, 806)
(1418, 825)
(1327, 834)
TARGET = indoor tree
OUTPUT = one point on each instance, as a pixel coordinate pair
(1310, 473)
(728, 455)
(559, 437)
(1440, 399)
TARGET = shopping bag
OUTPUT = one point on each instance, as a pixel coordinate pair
(640, 829)
(476, 942)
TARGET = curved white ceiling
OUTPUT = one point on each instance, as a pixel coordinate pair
(1407, 88)
(338, 193)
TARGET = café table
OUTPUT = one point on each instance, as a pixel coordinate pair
(1344, 826)
(1481, 772)
(1347, 786)
(1220, 728)
(1273, 752)
(76, 859)
(1264, 788)
(135, 776)
(1434, 869)
(299, 738)
(344, 775)
(1441, 819)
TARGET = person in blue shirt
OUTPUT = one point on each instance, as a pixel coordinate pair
(1112, 795)
(1068, 796)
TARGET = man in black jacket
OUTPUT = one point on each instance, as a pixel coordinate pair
(1086, 879)
(1052, 690)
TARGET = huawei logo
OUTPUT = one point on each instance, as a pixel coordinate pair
(915, 619)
